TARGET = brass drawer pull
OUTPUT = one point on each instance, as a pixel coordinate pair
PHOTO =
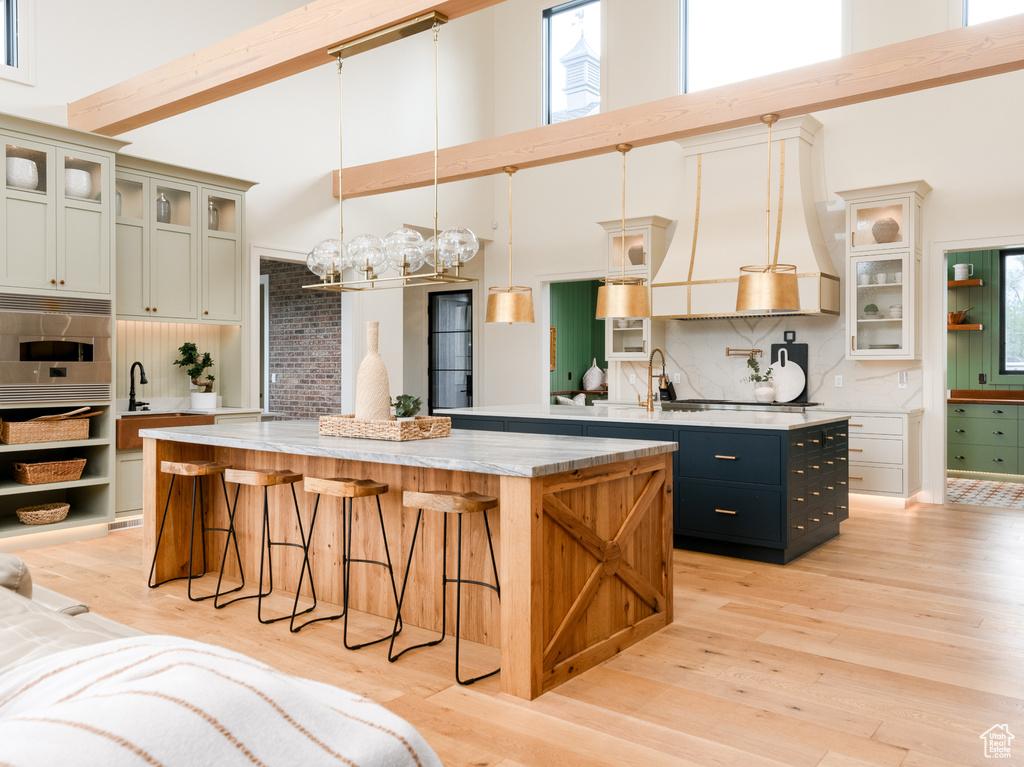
(815, 492)
(856, 449)
(815, 520)
(857, 425)
(726, 457)
(830, 513)
(859, 479)
(724, 511)
(798, 527)
(830, 487)
(801, 500)
(816, 441)
(799, 471)
(799, 444)
(842, 458)
(842, 507)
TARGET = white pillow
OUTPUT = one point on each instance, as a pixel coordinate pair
(15, 576)
(579, 399)
(175, 702)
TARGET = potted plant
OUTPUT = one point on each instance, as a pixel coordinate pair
(764, 386)
(406, 406)
(196, 364)
(870, 310)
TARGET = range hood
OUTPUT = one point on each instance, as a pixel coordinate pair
(731, 223)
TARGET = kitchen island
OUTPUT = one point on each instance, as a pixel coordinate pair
(761, 485)
(583, 532)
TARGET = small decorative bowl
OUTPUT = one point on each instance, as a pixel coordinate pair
(955, 318)
(77, 183)
(22, 173)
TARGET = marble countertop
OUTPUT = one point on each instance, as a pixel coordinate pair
(736, 419)
(485, 452)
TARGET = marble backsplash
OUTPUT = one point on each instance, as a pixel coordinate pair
(696, 350)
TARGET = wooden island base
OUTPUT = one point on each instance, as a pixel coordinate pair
(584, 555)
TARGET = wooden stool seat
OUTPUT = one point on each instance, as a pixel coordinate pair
(343, 487)
(261, 478)
(448, 501)
(193, 468)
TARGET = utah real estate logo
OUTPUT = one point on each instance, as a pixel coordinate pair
(997, 741)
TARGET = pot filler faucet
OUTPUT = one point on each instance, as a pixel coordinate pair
(649, 404)
(132, 404)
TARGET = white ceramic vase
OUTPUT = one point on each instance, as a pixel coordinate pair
(764, 391)
(204, 400)
(373, 394)
(592, 378)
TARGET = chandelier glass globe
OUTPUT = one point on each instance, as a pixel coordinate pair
(404, 248)
(367, 252)
(456, 246)
(324, 254)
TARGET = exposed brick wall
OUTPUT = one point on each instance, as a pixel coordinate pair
(305, 343)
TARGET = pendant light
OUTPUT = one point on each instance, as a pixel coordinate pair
(770, 286)
(510, 303)
(623, 297)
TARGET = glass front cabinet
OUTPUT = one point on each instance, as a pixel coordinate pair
(643, 248)
(883, 248)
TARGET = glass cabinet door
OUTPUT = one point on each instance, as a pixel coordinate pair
(878, 296)
(633, 246)
(880, 225)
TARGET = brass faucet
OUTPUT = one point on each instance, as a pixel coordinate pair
(649, 404)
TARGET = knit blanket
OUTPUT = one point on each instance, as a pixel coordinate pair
(160, 700)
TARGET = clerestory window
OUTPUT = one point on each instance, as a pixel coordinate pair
(15, 40)
(980, 11)
(572, 60)
(726, 42)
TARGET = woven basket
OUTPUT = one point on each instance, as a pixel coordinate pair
(422, 427)
(23, 432)
(44, 514)
(49, 471)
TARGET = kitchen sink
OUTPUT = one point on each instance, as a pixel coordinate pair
(128, 425)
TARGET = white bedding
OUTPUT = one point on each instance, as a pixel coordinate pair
(159, 700)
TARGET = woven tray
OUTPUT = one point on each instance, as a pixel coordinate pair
(422, 427)
(23, 432)
(44, 514)
(49, 471)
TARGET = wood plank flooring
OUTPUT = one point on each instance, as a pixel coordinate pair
(897, 644)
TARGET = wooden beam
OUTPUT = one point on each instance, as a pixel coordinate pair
(279, 48)
(949, 57)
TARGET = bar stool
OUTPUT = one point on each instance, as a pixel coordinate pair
(448, 502)
(348, 490)
(263, 479)
(197, 470)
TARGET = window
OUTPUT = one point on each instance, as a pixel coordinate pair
(572, 60)
(727, 42)
(980, 11)
(1011, 310)
(15, 38)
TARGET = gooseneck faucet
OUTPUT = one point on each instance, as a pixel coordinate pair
(132, 404)
(649, 404)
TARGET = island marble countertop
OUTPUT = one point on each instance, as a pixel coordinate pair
(735, 419)
(485, 452)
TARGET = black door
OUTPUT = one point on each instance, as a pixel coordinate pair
(450, 349)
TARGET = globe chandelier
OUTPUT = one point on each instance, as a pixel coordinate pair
(403, 251)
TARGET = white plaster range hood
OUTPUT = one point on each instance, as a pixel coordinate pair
(731, 226)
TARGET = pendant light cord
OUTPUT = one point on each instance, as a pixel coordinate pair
(768, 204)
(341, 220)
(510, 170)
(623, 148)
(436, 27)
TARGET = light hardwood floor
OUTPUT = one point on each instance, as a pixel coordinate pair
(898, 644)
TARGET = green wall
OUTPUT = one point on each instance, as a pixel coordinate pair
(580, 337)
(970, 352)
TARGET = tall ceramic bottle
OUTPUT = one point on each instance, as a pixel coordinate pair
(373, 395)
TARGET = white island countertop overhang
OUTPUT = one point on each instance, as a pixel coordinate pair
(500, 453)
(631, 414)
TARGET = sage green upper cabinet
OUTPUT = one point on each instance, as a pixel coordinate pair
(179, 243)
(56, 208)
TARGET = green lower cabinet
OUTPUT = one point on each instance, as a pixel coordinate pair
(990, 459)
(981, 431)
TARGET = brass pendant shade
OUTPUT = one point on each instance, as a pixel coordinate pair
(627, 299)
(510, 303)
(623, 297)
(770, 286)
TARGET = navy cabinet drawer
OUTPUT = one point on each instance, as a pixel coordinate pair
(563, 428)
(732, 512)
(477, 423)
(750, 458)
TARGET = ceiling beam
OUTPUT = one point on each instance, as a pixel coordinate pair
(292, 43)
(949, 57)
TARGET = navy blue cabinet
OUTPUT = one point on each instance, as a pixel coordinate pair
(768, 495)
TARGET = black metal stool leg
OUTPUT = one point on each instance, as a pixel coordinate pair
(458, 606)
(231, 532)
(347, 523)
(159, 537)
(401, 598)
(270, 544)
(306, 566)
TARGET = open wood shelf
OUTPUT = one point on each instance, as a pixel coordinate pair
(976, 283)
(965, 327)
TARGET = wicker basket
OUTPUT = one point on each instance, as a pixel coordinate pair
(49, 471)
(23, 432)
(422, 427)
(44, 514)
